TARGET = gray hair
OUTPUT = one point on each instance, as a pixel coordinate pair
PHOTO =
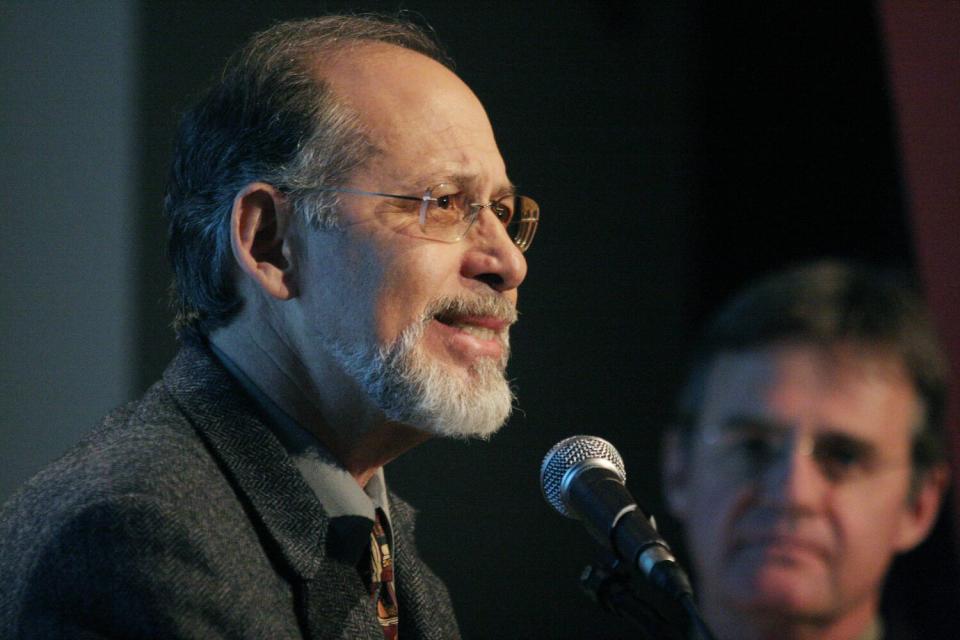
(267, 118)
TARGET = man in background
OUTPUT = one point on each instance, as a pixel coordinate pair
(808, 453)
(347, 250)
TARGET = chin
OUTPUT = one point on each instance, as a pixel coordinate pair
(413, 385)
(782, 595)
(450, 406)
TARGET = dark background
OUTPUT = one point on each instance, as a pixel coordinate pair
(676, 151)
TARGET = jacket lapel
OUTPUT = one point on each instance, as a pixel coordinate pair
(424, 605)
(250, 456)
(331, 599)
(332, 612)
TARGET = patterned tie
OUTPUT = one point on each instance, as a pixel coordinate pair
(382, 587)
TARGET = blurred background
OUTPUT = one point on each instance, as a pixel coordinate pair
(677, 149)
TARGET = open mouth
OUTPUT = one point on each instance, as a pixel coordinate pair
(470, 325)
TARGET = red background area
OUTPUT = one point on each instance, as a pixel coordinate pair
(923, 50)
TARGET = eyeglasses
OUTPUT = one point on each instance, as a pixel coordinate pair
(749, 451)
(446, 215)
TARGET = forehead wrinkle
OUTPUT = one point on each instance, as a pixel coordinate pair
(470, 181)
(425, 129)
(473, 181)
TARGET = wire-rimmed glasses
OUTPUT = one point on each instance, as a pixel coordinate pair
(445, 214)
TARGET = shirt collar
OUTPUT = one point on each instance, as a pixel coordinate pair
(333, 485)
(874, 632)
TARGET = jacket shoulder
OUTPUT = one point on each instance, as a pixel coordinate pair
(137, 532)
(142, 566)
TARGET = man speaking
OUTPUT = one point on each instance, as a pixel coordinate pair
(347, 250)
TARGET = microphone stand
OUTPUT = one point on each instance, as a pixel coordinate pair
(700, 629)
(630, 596)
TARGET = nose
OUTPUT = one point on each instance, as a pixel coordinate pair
(795, 481)
(491, 256)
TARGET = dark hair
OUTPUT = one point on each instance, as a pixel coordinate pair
(827, 303)
(269, 117)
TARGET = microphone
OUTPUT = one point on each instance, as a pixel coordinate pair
(582, 477)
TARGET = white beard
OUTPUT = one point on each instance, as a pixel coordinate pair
(413, 388)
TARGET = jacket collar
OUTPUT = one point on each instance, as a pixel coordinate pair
(252, 458)
(280, 501)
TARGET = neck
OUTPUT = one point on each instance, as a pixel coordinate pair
(317, 395)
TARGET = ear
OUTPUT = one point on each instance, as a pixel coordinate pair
(920, 512)
(258, 228)
(675, 467)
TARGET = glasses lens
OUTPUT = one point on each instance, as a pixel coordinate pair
(520, 215)
(445, 213)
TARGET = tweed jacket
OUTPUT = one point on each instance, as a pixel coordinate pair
(181, 516)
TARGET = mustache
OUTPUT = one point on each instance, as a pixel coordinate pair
(453, 306)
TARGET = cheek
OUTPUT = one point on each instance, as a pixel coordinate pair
(714, 507)
(343, 289)
(869, 527)
(713, 490)
(406, 284)
(865, 556)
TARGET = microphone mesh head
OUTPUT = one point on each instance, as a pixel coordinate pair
(565, 455)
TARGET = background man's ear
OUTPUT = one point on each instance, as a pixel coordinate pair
(674, 467)
(920, 513)
(258, 226)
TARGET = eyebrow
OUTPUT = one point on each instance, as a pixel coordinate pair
(867, 450)
(830, 435)
(466, 180)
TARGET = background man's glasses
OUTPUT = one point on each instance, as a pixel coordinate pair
(445, 214)
(749, 452)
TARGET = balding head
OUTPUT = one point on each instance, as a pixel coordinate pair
(414, 110)
(266, 119)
